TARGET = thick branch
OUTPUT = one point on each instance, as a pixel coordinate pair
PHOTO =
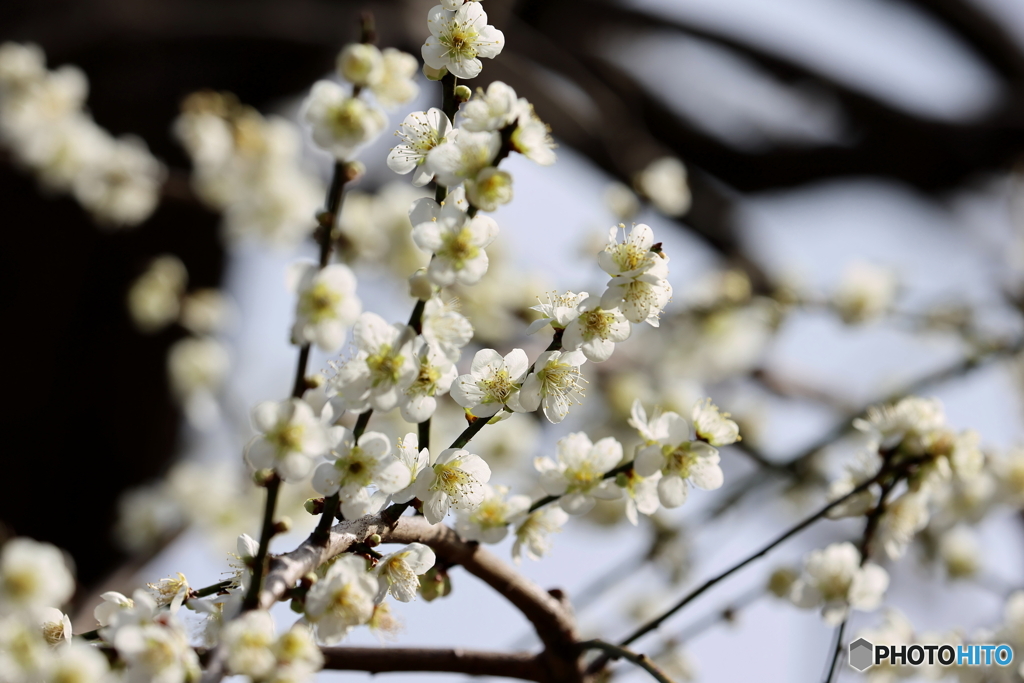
(521, 665)
(549, 617)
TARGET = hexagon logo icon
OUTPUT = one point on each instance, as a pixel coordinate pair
(861, 654)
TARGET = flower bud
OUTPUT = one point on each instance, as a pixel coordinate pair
(308, 579)
(354, 170)
(434, 74)
(360, 64)
(781, 581)
(435, 584)
(314, 506)
(283, 525)
(373, 541)
(462, 93)
(263, 477)
(420, 286)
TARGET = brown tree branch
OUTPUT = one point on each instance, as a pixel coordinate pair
(984, 34)
(551, 618)
(521, 665)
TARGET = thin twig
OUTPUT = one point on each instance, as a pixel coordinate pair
(618, 652)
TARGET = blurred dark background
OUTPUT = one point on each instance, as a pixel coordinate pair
(87, 413)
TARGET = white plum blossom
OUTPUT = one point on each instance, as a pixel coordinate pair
(490, 189)
(533, 531)
(33, 576)
(436, 374)
(865, 292)
(714, 426)
(298, 656)
(641, 298)
(383, 368)
(341, 124)
(154, 299)
(342, 599)
(246, 548)
(353, 465)
(578, 476)
(327, 304)
(459, 38)
(416, 460)
(905, 423)
(157, 651)
(596, 330)
(196, 369)
(621, 201)
(960, 552)
(903, 518)
(446, 328)
(25, 655)
(420, 132)
(557, 310)
(397, 82)
(79, 663)
(532, 139)
(861, 469)
(835, 580)
(291, 437)
(554, 384)
(493, 109)
(56, 626)
(113, 603)
(663, 182)
(360, 64)
(455, 480)
(492, 383)
(641, 494)
(123, 189)
(457, 241)
(464, 157)
(681, 459)
(398, 573)
(650, 429)
(248, 640)
(488, 522)
(638, 284)
(170, 591)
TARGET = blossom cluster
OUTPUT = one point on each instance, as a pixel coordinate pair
(196, 365)
(248, 167)
(35, 635)
(48, 130)
(911, 430)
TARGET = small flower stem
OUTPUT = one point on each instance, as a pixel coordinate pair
(448, 103)
(617, 652)
(416, 319)
(332, 502)
(469, 432)
(423, 434)
(267, 532)
(212, 590)
(448, 106)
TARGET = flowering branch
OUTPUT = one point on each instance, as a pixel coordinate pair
(692, 595)
(341, 175)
